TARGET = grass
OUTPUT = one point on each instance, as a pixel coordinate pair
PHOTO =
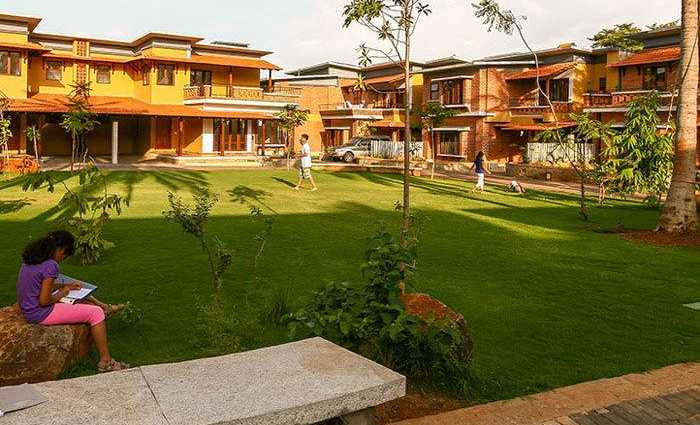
(549, 301)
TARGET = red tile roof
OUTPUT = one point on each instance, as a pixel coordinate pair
(378, 80)
(122, 106)
(544, 71)
(214, 60)
(664, 54)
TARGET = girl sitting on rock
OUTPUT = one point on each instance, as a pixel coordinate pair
(38, 295)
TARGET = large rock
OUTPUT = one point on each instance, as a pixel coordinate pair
(425, 307)
(34, 353)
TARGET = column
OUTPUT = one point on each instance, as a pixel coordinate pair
(23, 132)
(115, 142)
(249, 142)
(180, 135)
(222, 137)
(207, 135)
(40, 126)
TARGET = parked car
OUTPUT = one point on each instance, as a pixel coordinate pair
(355, 148)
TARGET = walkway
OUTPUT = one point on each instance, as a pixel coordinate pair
(665, 396)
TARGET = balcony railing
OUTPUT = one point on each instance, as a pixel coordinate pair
(620, 98)
(275, 94)
(352, 106)
(532, 108)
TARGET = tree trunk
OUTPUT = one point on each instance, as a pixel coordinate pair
(433, 147)
(679, 214)
(408, 96)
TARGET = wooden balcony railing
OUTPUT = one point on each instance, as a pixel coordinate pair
(350, 106)
(620, 98)
(531, 108)
(276, 94)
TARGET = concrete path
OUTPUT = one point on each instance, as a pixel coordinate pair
(665, 396)
(303, 382)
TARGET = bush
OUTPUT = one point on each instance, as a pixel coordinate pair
(372, 320)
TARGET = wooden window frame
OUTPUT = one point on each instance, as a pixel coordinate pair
(102, 68)
(565, 87)
(452, 92)
(164, 67)
(204, 72)
(58, 67)
(655, 83)
(146, 75)
(435, 91)
(14, 63)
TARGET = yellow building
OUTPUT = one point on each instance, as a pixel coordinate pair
(161, 93)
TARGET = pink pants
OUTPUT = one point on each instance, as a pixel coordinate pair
(67, 314)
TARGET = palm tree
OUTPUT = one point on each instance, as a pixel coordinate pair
(680, 211)
(34, 134)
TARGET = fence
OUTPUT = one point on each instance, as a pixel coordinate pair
(387, 149)
(554, 153)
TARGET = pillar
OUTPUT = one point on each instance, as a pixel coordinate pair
(249, 140)
(269, 80)
(222, 137)
(115, 142)
(40, 126)
(151, 133)
(180, 135)
(23, 133)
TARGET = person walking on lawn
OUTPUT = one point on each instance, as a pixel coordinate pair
(305, 166)
(480, 167)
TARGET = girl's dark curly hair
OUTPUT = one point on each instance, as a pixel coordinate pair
(43, 249)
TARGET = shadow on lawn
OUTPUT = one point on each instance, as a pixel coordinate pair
(246, 195)
(9, 207)
(284, 181)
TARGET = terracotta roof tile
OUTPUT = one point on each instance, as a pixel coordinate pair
(545, 71)
(122, 106)
(377, 80)
(214, 60)
(664, 54)
(537, 127)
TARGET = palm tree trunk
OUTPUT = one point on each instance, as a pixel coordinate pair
(406, 225)
(679, 214)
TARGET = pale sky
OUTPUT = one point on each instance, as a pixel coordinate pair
(306, 32)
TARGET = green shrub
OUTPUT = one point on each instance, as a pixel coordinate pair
(372, 320)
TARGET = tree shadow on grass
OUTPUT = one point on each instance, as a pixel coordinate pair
(246, 195)
(284, 181)
(9, 207)
(173, 181)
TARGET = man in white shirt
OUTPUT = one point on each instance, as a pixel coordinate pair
(305, 167)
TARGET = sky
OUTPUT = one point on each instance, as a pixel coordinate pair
(307, 32)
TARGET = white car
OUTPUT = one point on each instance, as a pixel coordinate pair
(355, 148)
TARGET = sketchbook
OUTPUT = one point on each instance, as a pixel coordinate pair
(78, 294)
(18, 398)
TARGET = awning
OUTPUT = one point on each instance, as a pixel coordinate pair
(77, 58)
(545, 72)
(387, 79)
(24, 46)
(665, 54)
(123, 106)
(537, 127)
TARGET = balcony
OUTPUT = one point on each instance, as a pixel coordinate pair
(620, 98)
(275, 94)
(531, 108)
(348, 110)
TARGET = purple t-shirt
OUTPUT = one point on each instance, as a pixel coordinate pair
(29, 287)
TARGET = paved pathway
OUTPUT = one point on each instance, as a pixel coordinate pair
(665, 396)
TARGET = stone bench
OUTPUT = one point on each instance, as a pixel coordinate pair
(34, 353)
(304, 382)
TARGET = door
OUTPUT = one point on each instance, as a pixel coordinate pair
(163, 133)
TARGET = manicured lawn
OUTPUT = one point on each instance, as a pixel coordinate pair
(550, 302)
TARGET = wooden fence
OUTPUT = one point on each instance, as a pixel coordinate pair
(388, 149)
(553, 153)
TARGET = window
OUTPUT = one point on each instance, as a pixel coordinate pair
(452, 91)
(559, 90)
(449, 143)
(435, 91)
(146, 75)
(200, 78)
(10, 63)
(54, 71)
(104, 74)
(166, 75)
(654, 78)
(603, 85)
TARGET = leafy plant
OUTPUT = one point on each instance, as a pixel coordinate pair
(620, 37)
(79, 120)
(289, 118)
(277, 309)
(640, 158)
(34, 134)
(372, 320)
(5, 136)
(261, 237)
(193, 221)
(85, 214)
(433, 116)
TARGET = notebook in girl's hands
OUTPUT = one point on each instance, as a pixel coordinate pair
(76, 295)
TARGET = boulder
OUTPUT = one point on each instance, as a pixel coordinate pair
(34, 353)
(425, 307)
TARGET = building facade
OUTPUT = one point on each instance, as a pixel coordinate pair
(161, 93)
(346, 101)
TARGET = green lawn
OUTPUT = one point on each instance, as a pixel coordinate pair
(549, 301)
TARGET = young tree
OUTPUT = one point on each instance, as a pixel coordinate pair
(79, 120)
(679, 214)
(505, 21)
(433, 116)
(640, 158)
(290, 118)
(619, 37)
(394, 22)
(5, 131)
(34, 134)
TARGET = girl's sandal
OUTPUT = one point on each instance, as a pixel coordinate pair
(112, 366)
(112, 309)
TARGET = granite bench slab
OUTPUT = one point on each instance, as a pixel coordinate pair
(298, 383)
